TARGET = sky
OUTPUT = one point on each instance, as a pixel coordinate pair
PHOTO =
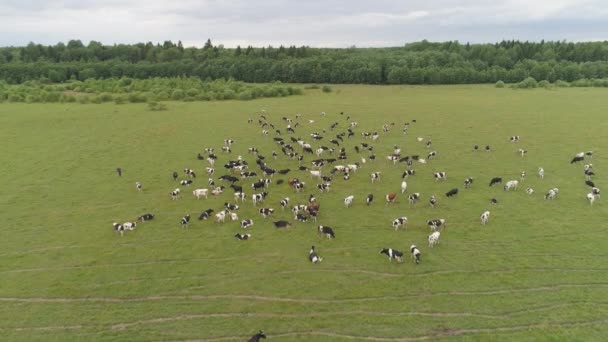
(317, 23)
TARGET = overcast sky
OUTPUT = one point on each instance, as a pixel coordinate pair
(319, 23)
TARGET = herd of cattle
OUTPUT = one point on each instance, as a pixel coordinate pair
(297, 150)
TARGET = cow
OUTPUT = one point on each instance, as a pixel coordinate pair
(242, 236)
(175, 175)
(119, 228)
(258, 197)
(184, 221)
(392, 254)
(591, 198)
(119, 172)
(431, 155)
(522, 152)
(433, 201)
(198, 193)
(577, 159)
(514, 138)
(403, 186)
(282, 224)
(369, 199)
(391, 197)
(495, 180)
(440, 176)
(284, 202)
(589, 183)
(522, 176)
(248, 223)
(436, 223)
(324, 187)
(205, 214)
(265, 212)
(301, 217)
(551, 194)
(375, 176)
(452, 192)
(595, 191)
(313, 257)
(541, 173)
(138, 186)
(413, 198)
(240, 196)
(400, 222)
(348, 201)
(146, 217)
(529, 191)
(407, 173)
(258, 185)
(434, 239)
(415, 253)
(468, 182)
(327, 231)
(485, 217)
(186, 182)
(217, 191)
(512, 184)
(231, 207)
(220, 217)
(174, 194)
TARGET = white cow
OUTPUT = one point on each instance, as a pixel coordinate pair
(348, 201)
(403, 186)
(512, 184)
(198, 193)
(541, 173)
(591, 198)
(485, 217)
(434, 239)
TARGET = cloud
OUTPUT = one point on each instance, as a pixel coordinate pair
(332, 23)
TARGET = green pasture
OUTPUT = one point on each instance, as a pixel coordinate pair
(537, 271)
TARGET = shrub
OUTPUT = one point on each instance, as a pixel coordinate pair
(544, 84)
(561, 84)
(527, 83)
(246, 95)
(314, 86)
(326, 89)
(106, 97)
(500, 84)
(177, 94)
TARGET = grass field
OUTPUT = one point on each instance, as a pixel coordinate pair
(537, 271)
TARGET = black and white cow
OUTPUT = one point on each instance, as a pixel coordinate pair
(327, 231)
(265, 212)
(242, 236)
(186, 182)
(375, 176)
(431, 155)
(392, 254)
(184, 221)
(259, 197)
(440, 176)
(433, 201)
(284, 202)
(407, 173)
(435, 223)
(146, 217)
(174, 194)
(400, 222)
(205, 214)
(248, 223)
(468, 182)
(313, 257)
(413, 198)
(324, 187)
(514, 138)
(231, 207)
(138, 186)
(415, 253)
(301, 217)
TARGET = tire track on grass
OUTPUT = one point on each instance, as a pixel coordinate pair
(295, 300)
(122, 326)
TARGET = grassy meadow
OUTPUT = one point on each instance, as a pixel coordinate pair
(537, 271)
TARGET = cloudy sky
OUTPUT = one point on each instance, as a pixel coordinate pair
(329, 23)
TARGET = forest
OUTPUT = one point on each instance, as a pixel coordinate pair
(413, 63)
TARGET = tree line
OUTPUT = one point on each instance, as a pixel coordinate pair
(415, 63)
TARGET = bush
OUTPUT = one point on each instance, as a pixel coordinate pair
(561, 84)
(137, 98)
(156, 106)
(326, 89)
(528, 83)
(120, 99)
(544, 84)
(500, 84)
(178, 94)
(106, 97)
(314, 86)
(246, 95)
